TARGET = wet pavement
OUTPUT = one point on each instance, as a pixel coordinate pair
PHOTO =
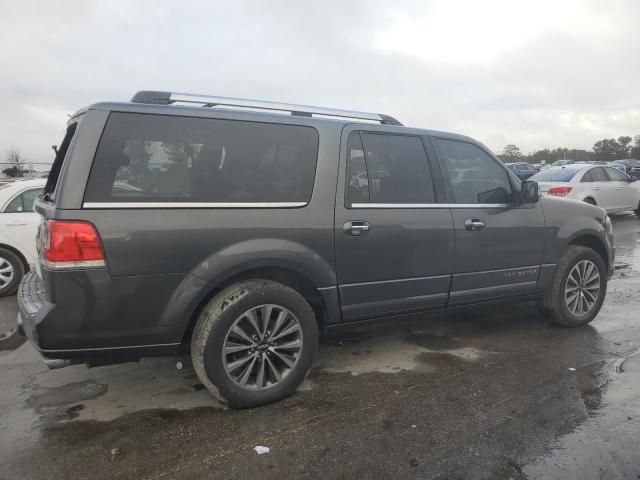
(485, 393)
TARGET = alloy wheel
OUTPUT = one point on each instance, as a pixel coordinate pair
(262, 347)
(6, 272)
(582, 288)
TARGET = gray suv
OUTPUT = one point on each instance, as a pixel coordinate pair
(240, 229)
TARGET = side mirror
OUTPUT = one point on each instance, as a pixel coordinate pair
(631, 179)
(529, 192)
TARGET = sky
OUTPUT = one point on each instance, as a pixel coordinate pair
(540, 73)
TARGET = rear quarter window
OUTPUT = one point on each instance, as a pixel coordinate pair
(161, 158)
(559, 175)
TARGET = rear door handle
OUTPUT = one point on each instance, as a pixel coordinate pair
(15, 224)
(596, 188)
(356, 228)
(474, 224)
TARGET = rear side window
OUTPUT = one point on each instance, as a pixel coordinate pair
(555, 175)
(475, 177)
(61, 152)
(156, 158)
(387, 168)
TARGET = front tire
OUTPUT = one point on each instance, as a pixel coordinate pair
(11, 272)
(254, 343)
(579, 288)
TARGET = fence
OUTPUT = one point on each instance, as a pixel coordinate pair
(29, 170)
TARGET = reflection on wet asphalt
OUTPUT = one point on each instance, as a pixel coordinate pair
(484, 393)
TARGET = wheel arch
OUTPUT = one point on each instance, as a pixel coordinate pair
(592, 242)
(323, 300)
(20, 255)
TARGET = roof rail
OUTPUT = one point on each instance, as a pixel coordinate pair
(167, 98)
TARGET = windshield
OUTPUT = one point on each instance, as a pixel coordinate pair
(555, 175)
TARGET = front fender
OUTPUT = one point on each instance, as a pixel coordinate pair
(568, 220)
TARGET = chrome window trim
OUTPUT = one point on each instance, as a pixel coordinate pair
(116, 205)
(432, 205)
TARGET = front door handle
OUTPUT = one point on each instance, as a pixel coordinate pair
(474, 224)
(596, 188)
(356, 228)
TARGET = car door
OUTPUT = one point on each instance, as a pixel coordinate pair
(595, 184)
(393, 239)
(498, 244)
(623, 194)
(20, 223)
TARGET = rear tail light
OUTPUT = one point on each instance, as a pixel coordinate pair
(559, 191)
(71, 245)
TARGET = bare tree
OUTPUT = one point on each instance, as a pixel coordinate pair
(15, 160)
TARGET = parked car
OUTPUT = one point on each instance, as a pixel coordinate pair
(245, 235)
(606, 187)
(630, 166)
(560, 163)
(18, 227)
(522, 169)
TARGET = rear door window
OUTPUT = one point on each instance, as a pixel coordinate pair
(23, 202)
(161, 158)
(388, 168)
(595, 175)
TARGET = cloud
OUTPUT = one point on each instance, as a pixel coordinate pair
(536, 74)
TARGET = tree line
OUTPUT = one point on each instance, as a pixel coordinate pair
(605, 150)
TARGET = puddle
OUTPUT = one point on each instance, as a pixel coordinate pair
(132, 387)
(392, 354)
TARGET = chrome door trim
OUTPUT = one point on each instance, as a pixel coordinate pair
(432, 205)
(395, 280)
(116, 205)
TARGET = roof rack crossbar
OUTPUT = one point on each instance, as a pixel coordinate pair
(167, 98)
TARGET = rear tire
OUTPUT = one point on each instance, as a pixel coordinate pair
(578, 290)
(590, 201)
(11, 272)
(241, 350)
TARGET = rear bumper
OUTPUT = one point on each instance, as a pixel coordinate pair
(61, 341)
(33, 307)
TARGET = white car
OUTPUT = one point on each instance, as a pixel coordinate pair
(18, 228)
(604, 186)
